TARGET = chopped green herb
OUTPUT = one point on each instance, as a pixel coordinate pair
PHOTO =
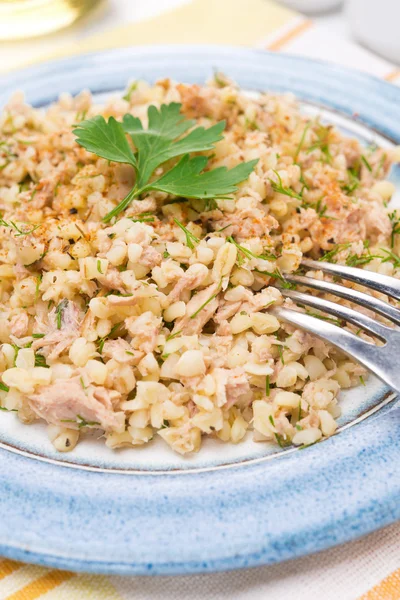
(366, 163)
(219, 79)
(4, 387)
(210, 299)
(173, 335)
(362, 380)
(144, 219)
(277, 275)
(190, 238)
(37, 289)
(380, 164)
(131, 88)
(267, 386)
(322, 143)
(99, 266)
(353, 182)
(395, 220)
(40, 360)
(323, 317)
(210, 204)
(353, 260)
(101, 341)
(391, 257)
(166, 254)
(20, 231)
(59, 312)
(278, 187)
(328, 256)
(81, 422)
(302, 139)
(248, 253)
(16, 350)
(38, 335)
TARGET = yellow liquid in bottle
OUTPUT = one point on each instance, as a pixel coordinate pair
(20, 19)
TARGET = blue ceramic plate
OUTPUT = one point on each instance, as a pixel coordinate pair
(143, 511)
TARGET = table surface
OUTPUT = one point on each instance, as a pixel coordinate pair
(112, 13)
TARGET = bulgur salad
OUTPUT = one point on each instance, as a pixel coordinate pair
(143, 243)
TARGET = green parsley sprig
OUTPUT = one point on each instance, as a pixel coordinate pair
(166, 138)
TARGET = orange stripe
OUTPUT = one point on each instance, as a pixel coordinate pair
(40, 586)
(289, 36)
(392, 75)
(8, 566)
(387, 589)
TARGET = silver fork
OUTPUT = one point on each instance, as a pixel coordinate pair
(382, 360)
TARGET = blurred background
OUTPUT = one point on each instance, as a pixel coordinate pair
(34, 29)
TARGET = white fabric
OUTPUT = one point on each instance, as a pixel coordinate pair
(342, 573)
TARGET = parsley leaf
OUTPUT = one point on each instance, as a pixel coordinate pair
(106, 139)
(156, 144)
(162, 141)
(187, 179)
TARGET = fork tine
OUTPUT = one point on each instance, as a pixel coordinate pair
(376, 281)
(370, 302)
(340, 312)
(364, 352)
(375, 358)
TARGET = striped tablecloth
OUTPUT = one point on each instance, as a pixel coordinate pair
(367, 569)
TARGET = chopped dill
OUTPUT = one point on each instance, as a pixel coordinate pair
(395, 220)
(277, 275)
(248, 253)
(99, 266)
(278, 187)
(366, 163)
(302, 139)
(210, 299)
(323, 317)
(59, 312)
(190, 238)
(173, 335)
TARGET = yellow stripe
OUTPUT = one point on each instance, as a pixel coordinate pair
(89, 587)
(387, 589)
(7, 567)
(40, 586)
(392, 75)
(289, 36)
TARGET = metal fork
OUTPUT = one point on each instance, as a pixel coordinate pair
(382, 360)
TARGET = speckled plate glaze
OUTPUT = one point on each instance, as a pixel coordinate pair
(144, 511)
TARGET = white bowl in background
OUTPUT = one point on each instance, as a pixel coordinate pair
(312, 6)
(376, 25)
